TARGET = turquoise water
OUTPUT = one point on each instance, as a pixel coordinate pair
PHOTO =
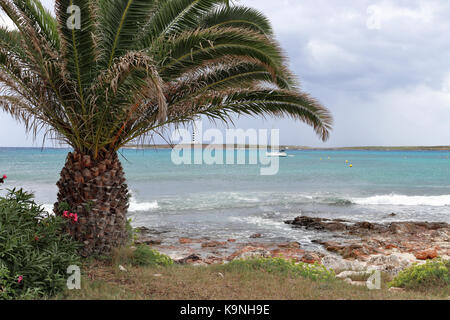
(235, 200)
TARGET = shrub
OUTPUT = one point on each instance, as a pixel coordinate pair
(145, 256)
(433, 273)
(282, 266)
(34, 250)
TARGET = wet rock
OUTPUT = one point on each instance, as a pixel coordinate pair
(142, 230)
(331, 246)
(189, 259)
(214, 244)
(256, 236)
(415, 227)
(289, 245)
(189, 240)
(146, 231)
(318, 224)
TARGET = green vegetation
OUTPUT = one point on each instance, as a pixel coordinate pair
(282, 266)
(35, 251)
(143, 255)
(138, 256)
(432, 274)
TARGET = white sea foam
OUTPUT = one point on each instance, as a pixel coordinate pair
(403, 200)
(142, 206)
(260, 222)
(48, 207)
(134, 206)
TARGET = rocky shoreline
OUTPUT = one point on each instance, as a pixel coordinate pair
(354, 247)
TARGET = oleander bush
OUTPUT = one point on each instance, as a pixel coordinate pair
(433, 273)
(282, 266)
(35, 251)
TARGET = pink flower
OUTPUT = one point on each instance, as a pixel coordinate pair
(65, 214)
(19, 279)
(4, 177)
(75, 217)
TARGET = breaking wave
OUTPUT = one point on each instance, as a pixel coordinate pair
(403, 200)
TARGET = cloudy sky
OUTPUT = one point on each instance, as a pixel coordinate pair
(381, 66)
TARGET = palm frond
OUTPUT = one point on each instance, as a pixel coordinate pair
(278, 103)
(42, 19)
(227, 73)
(173, 17)
(195, 48)
(120, 23)
(237, 17)
(79, 50)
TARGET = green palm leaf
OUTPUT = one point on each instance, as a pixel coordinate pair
(78, 48)
(237, 17)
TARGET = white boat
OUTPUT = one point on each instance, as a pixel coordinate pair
(276, 154)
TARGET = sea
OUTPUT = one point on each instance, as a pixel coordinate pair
(223, 201)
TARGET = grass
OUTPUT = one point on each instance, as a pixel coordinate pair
(241, 280)
(434, 273)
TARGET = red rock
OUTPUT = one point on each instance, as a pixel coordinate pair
(311, 258)
(189, 241)
(231, 240)
(426, 254)
(333, 246)
(259, 251)
(213, 260)
(289, 245)
(213, 244)
(288, 253)
(390, 246)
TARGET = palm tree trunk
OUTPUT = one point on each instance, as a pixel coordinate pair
(96, 191)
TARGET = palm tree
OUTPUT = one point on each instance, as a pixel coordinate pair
(134, 68)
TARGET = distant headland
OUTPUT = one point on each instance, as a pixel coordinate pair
(291, 147)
